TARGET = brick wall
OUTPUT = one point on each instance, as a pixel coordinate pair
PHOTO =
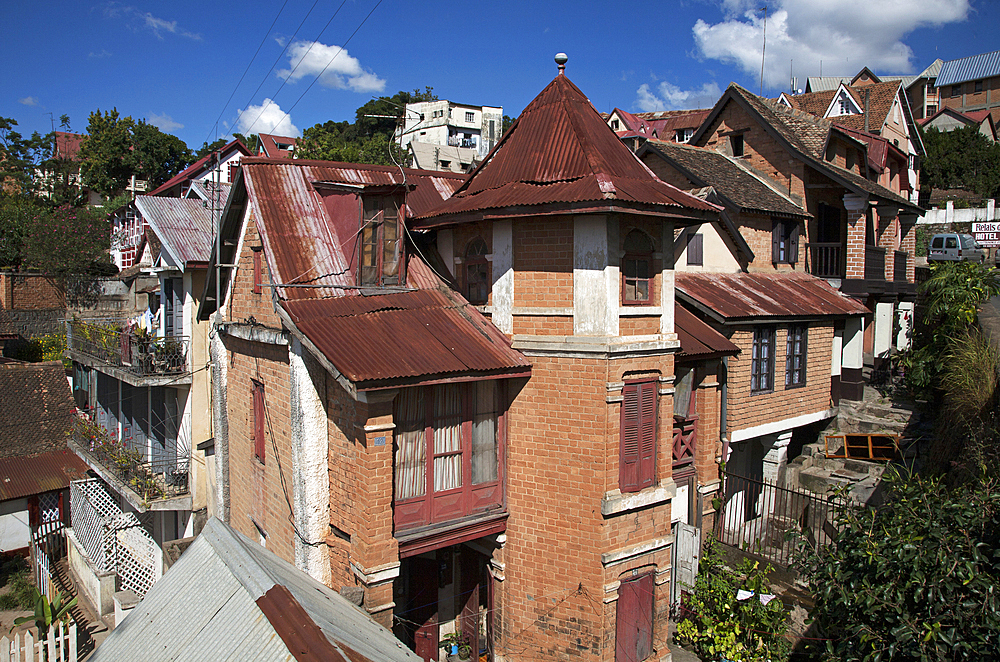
(638, 326)
(747, 411)
(543, 325)
(31, 292)
(244, 303)
(543, 262)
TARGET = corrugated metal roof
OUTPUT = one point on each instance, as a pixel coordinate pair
(200, 166)
(561, 151)
(204, 188)
(269, 145)
(973, 67)
(208, 606)
(743, 296)
(300, 241)
(699, 340)
(404, 336)
(183, 225)
(24, 476)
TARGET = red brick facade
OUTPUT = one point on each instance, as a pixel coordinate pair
(31, 292)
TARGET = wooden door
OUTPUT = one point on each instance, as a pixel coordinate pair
(634, 619)
(469, 589)
(422, 607)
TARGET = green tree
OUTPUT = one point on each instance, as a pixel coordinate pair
(21, 158)
(68, 241)
(156, 156)
(207, 148)
(963, 158)
(250, 141)
(17, 215)
(506, 124)
(915, 579)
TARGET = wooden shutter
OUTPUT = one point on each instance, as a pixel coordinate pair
(696, 250)
(257, 271)
(634, 619)
(258, 421)
(793, 242)
(647, 434)
(637, 458)
(776, 241)
(167, 306)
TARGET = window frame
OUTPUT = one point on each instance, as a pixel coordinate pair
(784, 241)
(258, 269)
(637, 453)
(637, 258)
(374, 242)
(761, 367)
(796, 377)
(470, 116)
(259, 417)
(469, 498)
(474, 260)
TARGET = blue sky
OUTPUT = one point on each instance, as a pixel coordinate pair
(177, 63)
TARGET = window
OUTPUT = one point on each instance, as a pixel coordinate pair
(695, 250)
(447, 452)
(258, 420)
(257, 270)
(795, 357)
(683, 135)
(784, 242)
(978, 86)
(931, 109)
(381, 245)
(421, 117)
(614, 124)
(477, 272)
(736, 144)
(762, 360)
(634, 619)
(956, 90)
(470, 117)
(637, 268)
(445, 165)
(637, 457)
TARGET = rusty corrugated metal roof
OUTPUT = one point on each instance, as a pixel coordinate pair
(699, 340)
(743, 296)
(200, 166)
(183, 225)
(561, 151)
(46, 472)
(300, 242)
(404, 336)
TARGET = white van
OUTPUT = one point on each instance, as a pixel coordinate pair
(953, 247)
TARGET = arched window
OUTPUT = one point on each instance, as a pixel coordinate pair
(477, 272)
(637, 267)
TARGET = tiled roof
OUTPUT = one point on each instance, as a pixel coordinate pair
(68, 145)
(814, 103)
(560, 152)
(699, 340)
(744, 296)
(730, 178)
(880, 100)
(973, 67)
(36, 408)
(183, 225)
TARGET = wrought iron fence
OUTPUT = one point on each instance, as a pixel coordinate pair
(115, 344)
(826, 260)
(162, 478)
(763, 518)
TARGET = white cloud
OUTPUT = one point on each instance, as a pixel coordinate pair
(332, 64)
(28, 101)
(845, 35)
(156, 24)
(103, 54)
(266, 118)
(164, 122)
(670, 97)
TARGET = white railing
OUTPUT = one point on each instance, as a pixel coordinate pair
(115, 541)
(58, 646)
(949, 214)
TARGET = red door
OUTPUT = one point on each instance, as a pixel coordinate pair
(634, 619)
(426, 640)
(469, 623)
(422, 607)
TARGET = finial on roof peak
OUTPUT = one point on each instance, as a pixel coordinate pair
(561, 61)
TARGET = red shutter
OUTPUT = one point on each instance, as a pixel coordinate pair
(628, 472)
(647, 434)
(634, 619)
(258, 421)
(257, 272)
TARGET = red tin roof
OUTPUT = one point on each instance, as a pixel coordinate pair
(699, 340)
(46, 472)
(742, 296)
(561, 151)
(199, 166)
(269, 145)
(405, 336)
(68, 145)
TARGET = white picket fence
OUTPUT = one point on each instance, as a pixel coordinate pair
(58, 646)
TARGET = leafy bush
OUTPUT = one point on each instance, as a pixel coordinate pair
(68, 241)
(20, 593)
(719, 625)
(914, 579)
(50, 347)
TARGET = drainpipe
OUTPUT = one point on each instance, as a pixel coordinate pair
(724, 410)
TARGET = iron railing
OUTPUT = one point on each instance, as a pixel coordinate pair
(760, 517)
(874, 263)
(114, 344)
(162, 478)
(899, 266)
(826, 260)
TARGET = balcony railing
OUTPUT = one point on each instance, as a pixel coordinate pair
(455, 141)
(827, 260)
(899, 266)
(131, 350)
(874, 263)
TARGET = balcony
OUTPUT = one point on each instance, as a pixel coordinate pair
(456, 141)
(874, 263)
(157, 483)
(131, 355)
(826, 260)
(899, 266)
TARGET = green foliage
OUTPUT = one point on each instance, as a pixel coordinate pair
(47, 613)
(129, 463)
(952, 296)
(914, 579)
(116, 148)
(720, 626)
(20, 593)
(50, 347)
(17, 214)
(507, 122)
(963, 158)
(69, 241)
(923, 240)
(208, 148)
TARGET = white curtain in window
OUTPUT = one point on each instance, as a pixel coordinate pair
(447, 437)
(484, 434)
(411, 448)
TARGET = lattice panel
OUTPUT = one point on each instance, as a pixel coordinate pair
(136, 555)
(92, 507)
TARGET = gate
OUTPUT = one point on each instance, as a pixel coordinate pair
(761, 517)
(48, 543)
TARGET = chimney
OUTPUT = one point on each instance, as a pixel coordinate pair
(561, 61)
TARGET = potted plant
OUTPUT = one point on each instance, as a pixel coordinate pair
(457, 645)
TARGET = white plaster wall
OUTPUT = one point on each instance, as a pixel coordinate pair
(837, 353)
(446, 249)
(503, 276)
(854, 342)
(718, 254)
(883, 328)
(14, 530)
(667, 283)
(590, 276)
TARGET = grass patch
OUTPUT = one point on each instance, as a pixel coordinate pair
(20, 592)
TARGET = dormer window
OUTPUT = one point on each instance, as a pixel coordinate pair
(477, 272)
(381, 242)
(736, 144)
(637, 268)
(614, 124)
